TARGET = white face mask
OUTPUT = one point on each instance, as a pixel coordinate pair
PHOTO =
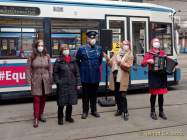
(92, 42)
(125, 47)
(66, 52)
(156, 44)
(40, 49)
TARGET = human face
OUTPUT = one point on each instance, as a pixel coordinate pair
(40, 46)
(125, 45)
(92, 41)
(65, 51)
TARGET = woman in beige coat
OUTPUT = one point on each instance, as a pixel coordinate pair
(120, 64)
(39, 74)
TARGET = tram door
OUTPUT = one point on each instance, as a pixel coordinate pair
(118, 25)
(140, 44)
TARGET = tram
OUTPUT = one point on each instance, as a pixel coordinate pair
(58, 22)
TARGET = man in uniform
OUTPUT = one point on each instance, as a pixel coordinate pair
(89, 58)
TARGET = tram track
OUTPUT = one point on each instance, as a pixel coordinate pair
(53, 115)
(131, 132)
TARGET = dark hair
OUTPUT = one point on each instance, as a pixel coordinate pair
(35, 53)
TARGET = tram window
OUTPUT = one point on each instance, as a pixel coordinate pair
(163, 32)
(138, 40)
(17, 36)
(70, 32)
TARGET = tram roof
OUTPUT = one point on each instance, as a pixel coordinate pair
(104, 4)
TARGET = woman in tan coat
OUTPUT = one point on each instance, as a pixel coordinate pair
(120, 64)
(39, 74)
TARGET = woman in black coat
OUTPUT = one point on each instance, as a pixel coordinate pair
(67, 78)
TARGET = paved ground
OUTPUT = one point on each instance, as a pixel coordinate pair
(16, 120)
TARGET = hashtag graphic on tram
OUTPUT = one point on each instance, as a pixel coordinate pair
(2, 75)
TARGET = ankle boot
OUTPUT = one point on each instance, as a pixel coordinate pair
(42, 119)
(162, 115)
(60, 121)
(153, 115)
(35, 123)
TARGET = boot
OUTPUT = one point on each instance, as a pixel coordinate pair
(60, 115)
(35, 123)
(42, 119)
(70, 119)
(95, 114)
(126, 116)
(162, 115)
(60, 121)
(84, 115)
(153, 115)
(118, 113)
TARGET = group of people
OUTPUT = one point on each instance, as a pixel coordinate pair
(71, 73)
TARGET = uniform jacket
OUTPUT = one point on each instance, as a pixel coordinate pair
(67, 78)
(126, 61)
(89, 60)
(40, 70)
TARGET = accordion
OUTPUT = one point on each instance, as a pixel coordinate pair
(170, 65)
(163, 64)
(159, 63)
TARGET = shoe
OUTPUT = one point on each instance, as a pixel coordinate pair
(60, 121)
(162, 115)
(126, 116)
(84, 116)
(71, 120)
(118, 113)
(153, 116)
(42, 119)
(35, 123)
(95, 114)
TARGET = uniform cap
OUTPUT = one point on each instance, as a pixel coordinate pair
(91, 34)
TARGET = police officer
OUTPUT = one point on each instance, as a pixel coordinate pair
(89, 58)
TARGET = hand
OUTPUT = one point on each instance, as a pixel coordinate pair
(150, 61)
(119, 63)
(104, 54)
(78, 87)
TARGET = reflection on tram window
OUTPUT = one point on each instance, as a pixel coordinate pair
(139, 37)
(139, 40)
(72, 40)
(17, 36)
(16, 44)
(163, 32)
(71, 33)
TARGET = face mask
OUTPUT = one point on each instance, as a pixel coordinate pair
(156, 44)
(40, 49)
(92, 42)
(66, 52)
(125, 47)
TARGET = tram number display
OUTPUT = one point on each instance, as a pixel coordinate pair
(19, 10)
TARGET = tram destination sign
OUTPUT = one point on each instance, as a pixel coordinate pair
(18, 10)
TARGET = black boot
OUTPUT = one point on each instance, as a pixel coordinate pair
(126, 116)
(84, 115)
(153, 115)
(60, 115)
(118, 113)
(69, 113)
(162, 115)
(60, 121)
(95, 114)
(42, 119)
